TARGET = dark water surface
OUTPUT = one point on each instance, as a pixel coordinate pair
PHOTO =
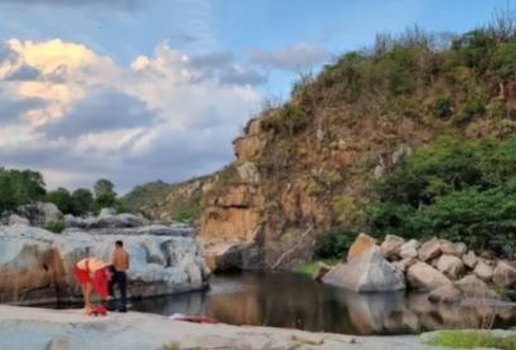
(296, 301)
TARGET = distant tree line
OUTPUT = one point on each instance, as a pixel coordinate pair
(19, 187)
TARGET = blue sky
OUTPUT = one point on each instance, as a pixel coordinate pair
(166, 57)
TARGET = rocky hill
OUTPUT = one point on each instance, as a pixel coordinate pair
(315, 163)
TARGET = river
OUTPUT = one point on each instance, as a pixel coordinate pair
(296, 301)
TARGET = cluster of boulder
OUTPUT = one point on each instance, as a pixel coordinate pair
(36, 266)
(448, 271)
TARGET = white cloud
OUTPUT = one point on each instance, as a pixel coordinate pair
(292, 58)
(85, 117)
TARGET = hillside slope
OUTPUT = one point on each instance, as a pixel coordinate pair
(313, 164)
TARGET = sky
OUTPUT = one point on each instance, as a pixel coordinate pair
(140, 90)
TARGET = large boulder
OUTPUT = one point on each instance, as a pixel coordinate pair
(391, 247)
(38, 214)
(470, 259)
(409, 249)
(422, 276)
(483, 271)
(450, 248)
(473, 287)
(37, 266)
(430, 249)
(369, 272)
(226, 256)
(450, 265)
(18, 220)
(504, 274)
(361, 244)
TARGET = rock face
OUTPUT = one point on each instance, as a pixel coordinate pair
(361, 244)
(391, 247)
(422, 276)
(36, 265)
(368, 272)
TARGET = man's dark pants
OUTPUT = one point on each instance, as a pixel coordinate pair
(120, 279)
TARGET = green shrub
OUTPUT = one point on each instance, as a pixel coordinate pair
(335, 244)
(55, 226)
(443, 106)
(455, 189)
(473, 109)
(469, 339)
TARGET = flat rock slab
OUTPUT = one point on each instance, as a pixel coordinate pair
(40, 329)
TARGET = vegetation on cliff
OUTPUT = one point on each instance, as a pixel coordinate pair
(412, 136)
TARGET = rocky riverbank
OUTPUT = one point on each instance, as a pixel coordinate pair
(36, 265)
(449, 271)
(35, 329)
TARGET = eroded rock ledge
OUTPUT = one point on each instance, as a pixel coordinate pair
(36, 265)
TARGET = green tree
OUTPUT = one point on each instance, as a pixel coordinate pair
(105, 195)
(62, 199)
(19, 187)
(83, 201)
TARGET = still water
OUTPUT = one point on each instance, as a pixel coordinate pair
(296, 301)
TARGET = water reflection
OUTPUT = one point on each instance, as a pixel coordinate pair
(294, 301)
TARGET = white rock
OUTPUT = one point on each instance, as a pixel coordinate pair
(368, 272)
(37, 265)
(18, 220)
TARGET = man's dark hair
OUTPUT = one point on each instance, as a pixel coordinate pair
(119, 244)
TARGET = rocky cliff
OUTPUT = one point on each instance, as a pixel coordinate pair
(310, 164)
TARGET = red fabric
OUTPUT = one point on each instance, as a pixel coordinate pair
(81, 276)
(98, 310)
(100, 283)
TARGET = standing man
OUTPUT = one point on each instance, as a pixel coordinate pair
(121, 264)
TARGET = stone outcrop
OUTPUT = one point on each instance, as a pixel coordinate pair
(368, 272)
(36, 265)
